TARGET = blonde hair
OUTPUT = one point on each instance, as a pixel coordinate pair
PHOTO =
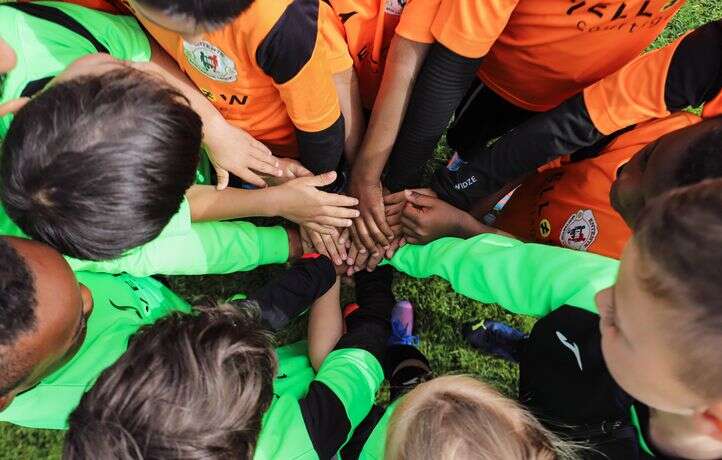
(459, 417)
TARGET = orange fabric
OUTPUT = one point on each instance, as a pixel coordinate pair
(569, 206)
(369, 26)
(108, 6)
(333, 34)
(713, 108)
(540, 53)
(223, 66)
(633, 94)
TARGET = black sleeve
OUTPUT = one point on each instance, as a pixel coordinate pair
(325, 418)
(695, 73)
(369, 327)
(290, 294)
(534, 143)
(322, 151)
(442, 82)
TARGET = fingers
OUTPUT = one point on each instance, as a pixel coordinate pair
(318, 243)
(297, 170)
(419, 199)
(332, 249)
(340, 212)
(251, 178)
(13, 106)
(321, 180)
(379, 217)
(333, 221)
(363, 235)
(360, 262)
(334, 199)
(374, 260)
(374, 231)
(425, 191)
(321, 229)
(265, 167)
(395, 198)
(222, 177)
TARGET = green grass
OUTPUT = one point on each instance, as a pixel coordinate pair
(439, 309)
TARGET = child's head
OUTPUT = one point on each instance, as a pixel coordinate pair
(191, 386)
(43, 312)
(98, 164)
(191, 19)
(683, 157)
(661, 322)
(459, 417)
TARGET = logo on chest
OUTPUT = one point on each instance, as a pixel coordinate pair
(580, 230)
(210, 61)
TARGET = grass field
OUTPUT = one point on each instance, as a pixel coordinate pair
(439, 309)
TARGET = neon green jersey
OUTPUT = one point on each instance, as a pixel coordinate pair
(44, 49)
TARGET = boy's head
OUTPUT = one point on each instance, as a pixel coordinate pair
(683, 157)
(191, 19)
(662, 322)
(43, 312)
(98, 164)
(460, 417)
(191, 386)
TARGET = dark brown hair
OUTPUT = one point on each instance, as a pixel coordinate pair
(679, 237)
(192, 386)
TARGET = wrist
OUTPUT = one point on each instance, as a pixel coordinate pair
(468, 226)
(295, 248)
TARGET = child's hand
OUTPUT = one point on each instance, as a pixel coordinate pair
(300, 201)
(231, 149)
(371, 228)
(291, 169)
(331, 246)
(7, 63)
(426, 218)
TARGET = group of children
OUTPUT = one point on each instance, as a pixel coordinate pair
(136, 134)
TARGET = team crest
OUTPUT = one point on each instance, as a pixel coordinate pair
(395, 7)
(580, 231)
(545, 228)
(210, 61)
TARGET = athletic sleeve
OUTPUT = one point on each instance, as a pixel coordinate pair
(470, 27)
(530, 279)
(340, 397)
(292, 293)
(294, 54)
(688, 72)
(442, 82)
(534, 143)
(208, 248)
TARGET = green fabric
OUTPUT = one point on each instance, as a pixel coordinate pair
(640, 436)
(45, 49)
(375, 447)
(354, 375)
(530, 279)
(138, 301)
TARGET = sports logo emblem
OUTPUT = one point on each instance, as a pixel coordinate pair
(545, 228)
(580, 231)
(210, 61)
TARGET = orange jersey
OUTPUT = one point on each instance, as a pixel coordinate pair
(539, 53)
(268, 72)
(568, 205)
(369, 26)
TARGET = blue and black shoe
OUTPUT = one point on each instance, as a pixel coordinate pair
(495, 338)
(402, 324)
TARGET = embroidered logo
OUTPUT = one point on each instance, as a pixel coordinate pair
(580, 231)
(210, 61)
(545, 228)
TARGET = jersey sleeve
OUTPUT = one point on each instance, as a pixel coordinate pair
(530, 279)
(333, 33)
(688, 72)
(416, 20)
(470, 27)
(207, 248)
(339, 398)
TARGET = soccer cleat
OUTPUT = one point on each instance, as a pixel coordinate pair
(494, 338)
(402, 324)
(455, 163)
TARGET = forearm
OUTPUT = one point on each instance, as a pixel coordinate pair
(403, 63)
(209, 204)
(349, 99)
(325, 325)
(524, 278)
(443, 80)
(321, 151)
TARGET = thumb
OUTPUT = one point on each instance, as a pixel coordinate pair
(418, 199)
(222, 177)
(322, 180)
(13, 106)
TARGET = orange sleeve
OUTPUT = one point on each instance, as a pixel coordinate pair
(470, 27)
(416, 20)
(633, 94)
(333, 33)
(713, 108)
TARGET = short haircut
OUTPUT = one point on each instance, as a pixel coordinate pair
(17, 314)
(679, 238)
(210, 13)
(192, 386)
(702, 156)
(98, 165)
(460, 417)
